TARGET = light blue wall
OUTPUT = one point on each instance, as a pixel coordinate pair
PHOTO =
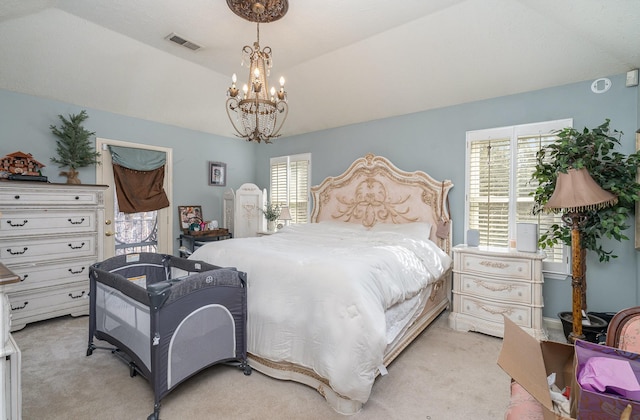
(434, 141)
(24, 126)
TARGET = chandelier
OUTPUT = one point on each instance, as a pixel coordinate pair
(257, 113)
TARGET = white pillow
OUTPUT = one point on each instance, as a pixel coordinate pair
(419, 229)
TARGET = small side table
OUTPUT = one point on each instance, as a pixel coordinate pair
(191, 242)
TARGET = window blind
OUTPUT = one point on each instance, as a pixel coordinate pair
(500, 163)
(290, 183)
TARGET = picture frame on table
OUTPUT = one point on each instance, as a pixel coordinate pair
(188, 215)
(217, 174)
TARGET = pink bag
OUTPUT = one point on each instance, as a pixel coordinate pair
(604, 374)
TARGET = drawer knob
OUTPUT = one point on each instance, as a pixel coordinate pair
(17, 308)
(77, 198)
(75, 223)
(75, 247)
(76, 272)
(17, 224)
(23, 278)
(76, 296)
(17, 252)
(17, 197)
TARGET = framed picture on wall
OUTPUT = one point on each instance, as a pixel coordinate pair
(217, 174)
(188, 215)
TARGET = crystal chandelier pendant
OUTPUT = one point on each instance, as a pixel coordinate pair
(259, 113)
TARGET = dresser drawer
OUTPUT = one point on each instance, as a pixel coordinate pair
(39, 304)
(45, 196)
(47, 275)
(493, 288)
(513, 268)
(15, 251)
(44, 222)
(494, 311)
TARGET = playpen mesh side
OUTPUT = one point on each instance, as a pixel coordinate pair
(124, 319)
(205, 335)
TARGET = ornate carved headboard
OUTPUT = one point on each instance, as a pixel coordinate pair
(374, 191)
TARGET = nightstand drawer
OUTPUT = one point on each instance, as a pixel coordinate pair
(513, 268)
(511, 291)
(494, 311)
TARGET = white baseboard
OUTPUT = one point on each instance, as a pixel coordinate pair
(552, 323)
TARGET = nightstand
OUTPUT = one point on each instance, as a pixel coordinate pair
(489, 283)
(191, 242)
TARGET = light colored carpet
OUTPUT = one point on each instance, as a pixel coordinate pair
(443, 375)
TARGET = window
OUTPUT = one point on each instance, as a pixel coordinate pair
(499, 165)
(290, 177)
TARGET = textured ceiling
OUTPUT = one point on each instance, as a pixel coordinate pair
(345, 61)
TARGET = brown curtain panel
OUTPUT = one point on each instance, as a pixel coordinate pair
(139, 191)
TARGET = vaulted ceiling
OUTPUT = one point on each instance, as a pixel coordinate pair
(345, 61)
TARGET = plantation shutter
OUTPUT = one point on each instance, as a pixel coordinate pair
(290, 178)
(500, 163)
(489, 168)
(527, 148)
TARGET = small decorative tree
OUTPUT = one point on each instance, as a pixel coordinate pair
(73, 146)
(271, 213)
(613, 171)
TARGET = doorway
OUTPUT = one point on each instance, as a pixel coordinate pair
(136, 232)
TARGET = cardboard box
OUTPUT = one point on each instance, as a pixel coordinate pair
(529, 362)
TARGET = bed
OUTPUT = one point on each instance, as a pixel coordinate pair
(333, 302)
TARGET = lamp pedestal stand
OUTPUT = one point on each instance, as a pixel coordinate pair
(576, 220)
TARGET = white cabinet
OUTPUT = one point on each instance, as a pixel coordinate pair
(50, 234)
(490, 284)
(248, 218)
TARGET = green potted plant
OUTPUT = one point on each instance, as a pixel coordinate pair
(594, 150)
(271, 213)
(73, 146)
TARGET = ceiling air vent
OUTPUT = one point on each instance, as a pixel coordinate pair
(173, 37)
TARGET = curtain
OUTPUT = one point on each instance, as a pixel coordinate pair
(139, 175)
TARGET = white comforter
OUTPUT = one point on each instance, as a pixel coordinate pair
(317, 293)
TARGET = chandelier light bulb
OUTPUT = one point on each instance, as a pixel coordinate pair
(234, 78)
(245, 89)
(256, 73)
(282, 81)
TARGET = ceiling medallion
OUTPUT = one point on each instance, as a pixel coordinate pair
(259, 11)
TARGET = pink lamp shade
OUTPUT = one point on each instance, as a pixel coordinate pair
(576, 192)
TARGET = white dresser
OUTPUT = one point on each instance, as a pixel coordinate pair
(490, 284)
(50, 234)
(10, 355)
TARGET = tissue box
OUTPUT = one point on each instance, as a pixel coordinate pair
(601, 406)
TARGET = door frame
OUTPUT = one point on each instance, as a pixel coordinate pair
(104, 176)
